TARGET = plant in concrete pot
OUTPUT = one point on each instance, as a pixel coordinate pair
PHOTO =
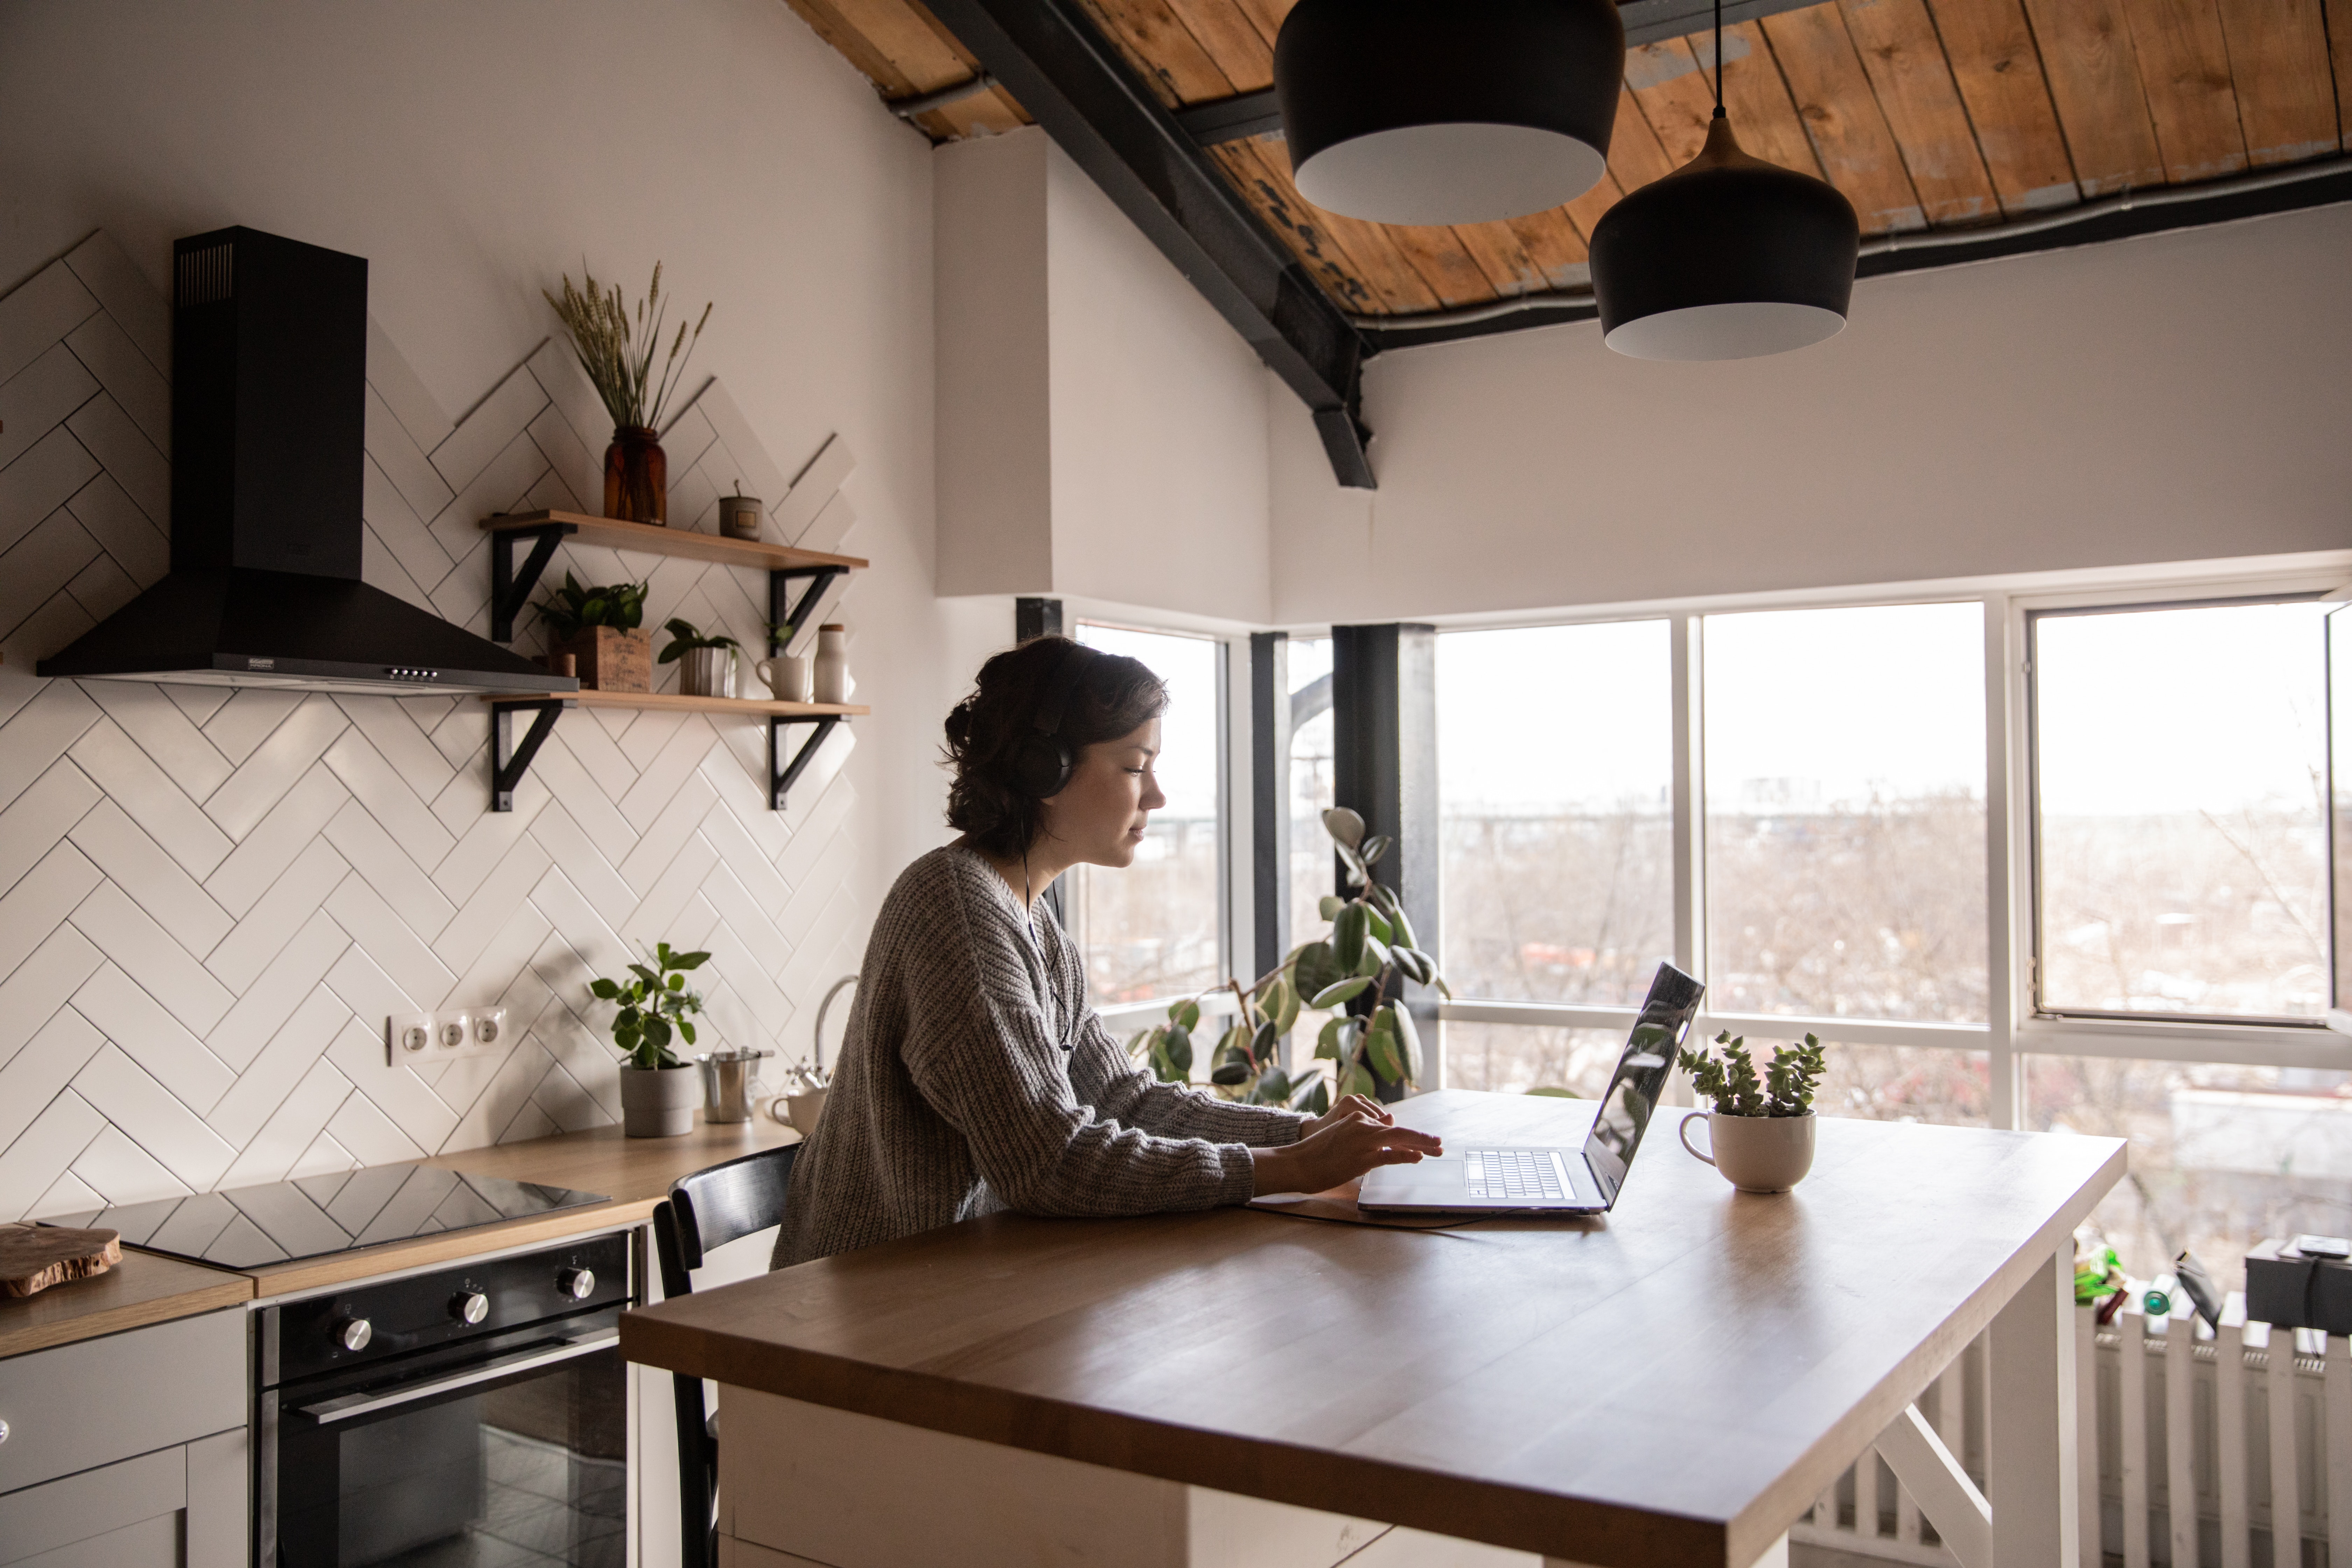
(1373, 1047)
(617, 355)
(601, 627)
(706, 665)
(659, 1092)
(1762, 1129)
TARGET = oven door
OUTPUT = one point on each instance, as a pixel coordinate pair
(514, 1454)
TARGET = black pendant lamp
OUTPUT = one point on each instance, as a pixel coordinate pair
(1438, 111)
(1728, 258)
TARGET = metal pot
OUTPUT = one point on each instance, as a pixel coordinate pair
(731, 1086)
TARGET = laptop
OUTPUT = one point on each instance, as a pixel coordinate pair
(1488, 1178)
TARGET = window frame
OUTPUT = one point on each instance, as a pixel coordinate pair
(2015, 1030)
(1235, 911)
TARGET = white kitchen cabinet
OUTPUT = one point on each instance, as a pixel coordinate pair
(128, 1451)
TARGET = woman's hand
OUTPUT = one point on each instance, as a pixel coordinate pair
(1354, 1105)
(1336, 1148)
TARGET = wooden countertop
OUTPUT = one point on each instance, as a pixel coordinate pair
(1671, 1384)
(635, 1173)
(139, 1291)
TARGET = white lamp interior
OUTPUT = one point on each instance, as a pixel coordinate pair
(1464, 173)
(1748, 329)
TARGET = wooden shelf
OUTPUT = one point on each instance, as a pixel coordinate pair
(670, 702)
(685, 542)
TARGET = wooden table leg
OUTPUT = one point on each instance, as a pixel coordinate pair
(2031, 1444)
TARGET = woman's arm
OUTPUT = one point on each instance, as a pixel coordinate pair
(1132, 1096)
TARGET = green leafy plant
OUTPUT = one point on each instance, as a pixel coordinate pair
(618, 353)
(1732, 1085)
(572, 609)
(1360, 967)
(655, 1003)
(685, 636)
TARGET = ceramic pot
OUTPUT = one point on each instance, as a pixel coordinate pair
(1756, 1153)
(788, 675)
(636, 476)
(834, 682)
(659, 1102)
(707, 672)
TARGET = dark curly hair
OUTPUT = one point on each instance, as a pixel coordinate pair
(1112, 696)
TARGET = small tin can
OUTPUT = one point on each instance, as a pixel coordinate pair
(740, 515)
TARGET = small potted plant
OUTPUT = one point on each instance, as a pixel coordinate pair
(659, 1090)
(706, 665)
(1373, 1047)
(601, 628)
(618, 354)
(1762, 1129)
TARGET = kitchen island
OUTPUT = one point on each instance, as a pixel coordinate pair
(1674, 1384)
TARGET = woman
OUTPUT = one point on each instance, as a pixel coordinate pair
(975, 1075)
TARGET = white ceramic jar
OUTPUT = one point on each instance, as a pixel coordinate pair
(834, 682)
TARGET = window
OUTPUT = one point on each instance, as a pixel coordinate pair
(2181, 764)
(1555, 765)
(1845, 815)
(1156, 929)
(1310, 872)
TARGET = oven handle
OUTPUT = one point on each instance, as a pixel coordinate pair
(353, 1405)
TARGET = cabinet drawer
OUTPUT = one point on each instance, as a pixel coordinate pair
(100, 1400)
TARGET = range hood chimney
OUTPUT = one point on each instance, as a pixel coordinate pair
(268, 415)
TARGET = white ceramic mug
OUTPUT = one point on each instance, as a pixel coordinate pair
(1756, 1153)
(788, 674)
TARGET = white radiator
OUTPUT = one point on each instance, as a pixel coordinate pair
(2178, 1435)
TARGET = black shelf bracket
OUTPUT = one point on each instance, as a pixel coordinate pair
(511, 589)
(780, 590)
(780, 781)
(508, 765)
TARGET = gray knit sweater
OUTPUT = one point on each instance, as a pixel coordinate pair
(975, 1078)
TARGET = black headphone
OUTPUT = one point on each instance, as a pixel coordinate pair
(1041, 761)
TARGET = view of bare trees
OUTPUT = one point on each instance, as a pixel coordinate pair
(1151, 929)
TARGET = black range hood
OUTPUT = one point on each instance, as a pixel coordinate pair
(268, 415)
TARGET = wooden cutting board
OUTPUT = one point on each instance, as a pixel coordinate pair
(33, 1258)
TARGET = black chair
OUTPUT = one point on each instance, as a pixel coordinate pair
(705, 1210)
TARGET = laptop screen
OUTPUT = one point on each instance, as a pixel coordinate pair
(1641, 1078)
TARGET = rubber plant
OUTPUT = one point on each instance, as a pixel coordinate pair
(655, 1003)
(1373, 1047)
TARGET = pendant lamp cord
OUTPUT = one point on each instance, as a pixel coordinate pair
(1718, 60)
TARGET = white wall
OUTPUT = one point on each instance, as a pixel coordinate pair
(2175, 398)
(207, 906)
(1143, 412)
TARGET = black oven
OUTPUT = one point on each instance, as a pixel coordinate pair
(466, 1417)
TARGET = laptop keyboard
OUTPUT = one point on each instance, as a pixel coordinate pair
(1512, 1174)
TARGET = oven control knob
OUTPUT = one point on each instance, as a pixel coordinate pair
(576, 1283)
(354, 1333)
(470, 1306)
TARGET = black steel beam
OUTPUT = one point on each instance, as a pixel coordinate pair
(1037, 618)
(1060, 67)
(1269, 799)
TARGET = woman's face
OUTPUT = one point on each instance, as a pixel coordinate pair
(1098, 817)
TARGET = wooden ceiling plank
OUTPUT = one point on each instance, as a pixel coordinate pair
(912, 38)
(1913, 81)
(1998, 70)
(1370, 251)
(2339, 50)
(1757, 97)
(1677, 106)
(990, 114)
(1839, 113)
(1160, 51)
(1267, 16)
(2093, 75)
(1300, 226)
(1586, 210)
(2286, 95)
(1556, 246)
(1230, 39)
(1636, 156)
(2184, 69)
(1502, 256)
(855, 47)
(1444, 262)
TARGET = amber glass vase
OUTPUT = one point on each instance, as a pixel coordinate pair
(636, 476)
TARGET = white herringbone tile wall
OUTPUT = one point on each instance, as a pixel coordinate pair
(210, 900)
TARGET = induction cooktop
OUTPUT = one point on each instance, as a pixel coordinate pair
(315, 1216)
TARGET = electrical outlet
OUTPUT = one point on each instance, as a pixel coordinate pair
(414, 1039)
(456, 1033)
(489, 1028)
(408, 1037)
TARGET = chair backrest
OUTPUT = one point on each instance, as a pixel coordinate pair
(728, 1202)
